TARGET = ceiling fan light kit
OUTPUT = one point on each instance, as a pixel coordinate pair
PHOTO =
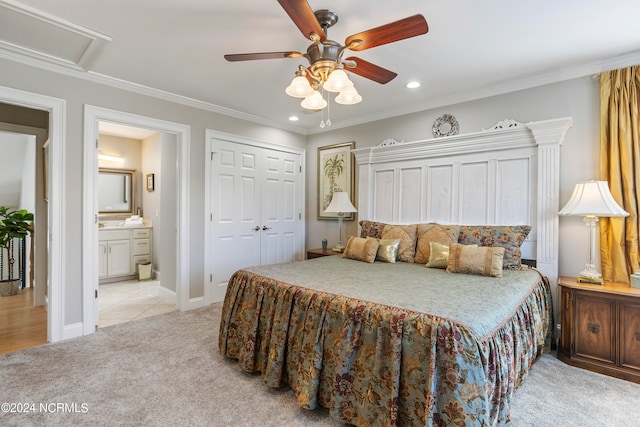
(299, 87)
(314, 101)
(348, 96)
(326, 66)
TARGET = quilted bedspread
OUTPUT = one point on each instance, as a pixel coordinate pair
(389, 344)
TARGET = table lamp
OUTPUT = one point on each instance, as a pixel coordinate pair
(340, 204)
(592, 199)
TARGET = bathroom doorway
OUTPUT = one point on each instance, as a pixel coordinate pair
(172, 210)
(136, 171)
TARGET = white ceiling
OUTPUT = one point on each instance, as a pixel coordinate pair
(174, 49)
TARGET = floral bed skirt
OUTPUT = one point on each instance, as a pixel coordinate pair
(373, 364)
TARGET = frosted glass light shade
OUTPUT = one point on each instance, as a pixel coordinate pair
(592, 198)
(348, 96)
(299, 87)
(314, 102)
(338, 81)
(340, 203)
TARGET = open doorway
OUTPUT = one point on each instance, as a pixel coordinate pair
(23, 318)
(173, 211)
(54, 123)
(136, 242)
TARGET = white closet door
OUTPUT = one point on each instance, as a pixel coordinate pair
(255, 209)
(280, 208)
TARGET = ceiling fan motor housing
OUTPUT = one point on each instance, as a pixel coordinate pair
(324, 58)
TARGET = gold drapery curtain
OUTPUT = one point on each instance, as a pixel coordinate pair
(620, 166)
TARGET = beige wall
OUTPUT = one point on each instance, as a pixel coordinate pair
(80, 92)
(578, 98)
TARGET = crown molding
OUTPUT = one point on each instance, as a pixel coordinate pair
(38, 60)
(526, 82)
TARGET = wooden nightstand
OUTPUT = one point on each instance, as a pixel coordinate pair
(319, 252)
(600, 327)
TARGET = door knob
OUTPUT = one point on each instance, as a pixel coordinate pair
(257, 228)
(264, 227)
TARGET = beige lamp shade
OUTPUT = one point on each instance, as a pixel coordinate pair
(340, 203)
(592, 198)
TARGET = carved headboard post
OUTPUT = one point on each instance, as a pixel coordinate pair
(549, 135)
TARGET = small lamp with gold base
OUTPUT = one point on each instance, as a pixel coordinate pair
(592, 200)
(340, 204)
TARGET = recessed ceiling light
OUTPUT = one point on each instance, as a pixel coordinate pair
(413, 85)
(294, 118)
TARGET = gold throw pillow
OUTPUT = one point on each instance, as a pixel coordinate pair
(388, 250)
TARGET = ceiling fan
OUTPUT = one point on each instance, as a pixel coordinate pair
(325, 56)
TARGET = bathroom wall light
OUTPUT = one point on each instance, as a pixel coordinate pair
(110, 158)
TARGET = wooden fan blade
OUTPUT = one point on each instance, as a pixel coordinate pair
(263, 55)
(301, 14)
(368, 70)
(399, 30)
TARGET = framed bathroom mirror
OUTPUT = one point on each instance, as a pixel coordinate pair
(116, 193)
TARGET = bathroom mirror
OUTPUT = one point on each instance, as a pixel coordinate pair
(115, 191)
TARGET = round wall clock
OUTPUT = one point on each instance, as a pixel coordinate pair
(445, 125)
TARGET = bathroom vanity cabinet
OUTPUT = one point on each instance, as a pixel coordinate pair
(120, 250)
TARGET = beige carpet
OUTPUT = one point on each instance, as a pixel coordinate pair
(166, 371)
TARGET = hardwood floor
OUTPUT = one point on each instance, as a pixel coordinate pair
(21, 324)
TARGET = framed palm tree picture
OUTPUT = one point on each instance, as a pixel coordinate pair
(335, 174)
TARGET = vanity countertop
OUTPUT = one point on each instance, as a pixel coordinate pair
(119, 225)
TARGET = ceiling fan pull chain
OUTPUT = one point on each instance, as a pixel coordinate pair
(328, 108)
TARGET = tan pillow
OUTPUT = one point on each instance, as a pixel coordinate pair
(486, 261)
(361, 249)
(407, 236)
(439, 255)
(388, 250)
(432, 232)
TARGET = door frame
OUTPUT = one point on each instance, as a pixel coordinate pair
(92, 116)
(56, 208)
(210, 137)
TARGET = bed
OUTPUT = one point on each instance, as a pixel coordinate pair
(396, 343)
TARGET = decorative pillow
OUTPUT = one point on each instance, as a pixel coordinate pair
(439, 255)
(371, 229)
(508, 237)
(388, 250)
(432, 232)
(361, 249)
(486, 261)
(407, 236)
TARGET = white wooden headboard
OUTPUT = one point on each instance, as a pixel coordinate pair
(505, 175)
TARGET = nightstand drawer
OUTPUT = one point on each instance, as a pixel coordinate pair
(595, 320)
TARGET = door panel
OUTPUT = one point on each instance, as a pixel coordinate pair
(234, 199)
(256, 205)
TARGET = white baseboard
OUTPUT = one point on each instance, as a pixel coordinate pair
(74, 330)
(168, 295)
(195, 303)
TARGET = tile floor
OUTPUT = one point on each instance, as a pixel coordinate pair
(132, 299)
